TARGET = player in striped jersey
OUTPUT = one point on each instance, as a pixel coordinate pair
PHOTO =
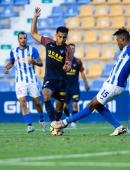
(25, 58)
(112, 87)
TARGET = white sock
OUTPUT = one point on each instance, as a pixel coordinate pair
(119, 127)
(64, 121)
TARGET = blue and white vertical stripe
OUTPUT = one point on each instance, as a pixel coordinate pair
(121, 69)
(25, 72)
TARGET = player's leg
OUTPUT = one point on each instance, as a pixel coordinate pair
(75, 110)
(66, 110)
(59, 109)
(66, 103)
(128, 128)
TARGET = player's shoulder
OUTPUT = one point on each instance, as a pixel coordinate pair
(14, 49)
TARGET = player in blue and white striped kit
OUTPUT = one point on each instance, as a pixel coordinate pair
(25, 58)
(112, 87)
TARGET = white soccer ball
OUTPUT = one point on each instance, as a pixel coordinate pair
(57, 132)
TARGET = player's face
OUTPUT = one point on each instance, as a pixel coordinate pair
(61, 38)
(22, 39)
(120, 42)
(72, 49)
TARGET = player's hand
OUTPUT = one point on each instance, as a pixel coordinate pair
(32, 61)
(87, 87)
(6, 71)
(67, 66)
(37, 12)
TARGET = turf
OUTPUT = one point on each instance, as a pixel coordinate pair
(15, 142)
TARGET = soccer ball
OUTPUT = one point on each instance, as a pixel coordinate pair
(57, 132)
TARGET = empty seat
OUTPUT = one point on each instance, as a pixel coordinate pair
(79, 52)
(98, 2)
(86, 10)
(46, 34)
(117, 23)
(127, 11)
(21, 2)
(7, 12)
(97, 85)
(102, 23)
(42, 74)
(57, 11)
(128, 24)
(71, 11)
(88, 22)
(95, 70)
(92, 53)
(6, 2)
(74, 37)
(57, 22)
(105, 37)
(101, 10)
(31, 40)
(107, 54)
(43, 54)
(116, 10)
(72, 23)
(43, 24)
(5, 86)
(83, 2)
(107, 70)
(69, 2)
(112, 2)
(90, 37)
(125, 2)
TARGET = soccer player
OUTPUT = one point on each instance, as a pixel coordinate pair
(112, 87)
(58, 61)
(25, 58)
(73, 85)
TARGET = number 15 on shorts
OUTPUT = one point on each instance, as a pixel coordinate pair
(104, 93)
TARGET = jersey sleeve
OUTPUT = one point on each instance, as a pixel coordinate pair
(81, 69)
(46, 40)
(68, 53)
(12, 56)
(35, 53)
(128, 50)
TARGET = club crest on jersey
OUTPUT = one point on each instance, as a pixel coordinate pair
(61, 51)
(74, 65)
(28, 53)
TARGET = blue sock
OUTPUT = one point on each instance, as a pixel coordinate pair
(50, 110)
(40, 116)
(27, 119)
(85, 112)
(109, 117)
(74, 112)
(129, 113)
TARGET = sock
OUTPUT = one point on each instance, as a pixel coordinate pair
(50, 110)
(85, 112)
(66, 111)
(129, 113)
(27, 119)
(58, 115)
(74, 112)
(109, 117)
(40, 116)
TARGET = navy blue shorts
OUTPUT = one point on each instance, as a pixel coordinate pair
(58, 88)
(73, 94)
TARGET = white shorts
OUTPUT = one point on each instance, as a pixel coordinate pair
(23, 90)
(109, 92)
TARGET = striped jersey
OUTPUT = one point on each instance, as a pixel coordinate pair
(121, 69)
(25, 72)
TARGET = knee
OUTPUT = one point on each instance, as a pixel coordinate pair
(38, 103)
(47, 97)
(65, 107)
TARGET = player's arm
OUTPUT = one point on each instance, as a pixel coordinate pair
(85, 81)
(68, 60)
(10, 64)
(34, 33)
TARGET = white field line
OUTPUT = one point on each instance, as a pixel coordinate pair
(91, 164)
(14, 160)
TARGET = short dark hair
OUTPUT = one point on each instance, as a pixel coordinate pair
(22, 33)
(124, 32)
(72, 44)
(62, 29)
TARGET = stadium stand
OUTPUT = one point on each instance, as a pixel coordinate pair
(68, 2)
(72, 23)
(127, 11)
(102, 23)
(97, 85)
(125, 2)
(43, 24)
(5, 86)
(57, 11)
(105, 37)
(92, 54)
(107, 70)
(57, 22)
(89, 37)
(117, 23)
(101, 10)
(107, 54)
(79, 52)
(111, 2)
(116, 10)
(94, 71)
(7, 12)
(88, 23)
(86, 10)
(98, 2)
(6, 2)
(74, 37)
(21, 2)
(71, 11)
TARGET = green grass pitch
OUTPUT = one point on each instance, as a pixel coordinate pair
(89, 147)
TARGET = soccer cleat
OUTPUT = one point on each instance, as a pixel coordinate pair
(43, 126)
(58, 125)
(119, 131)
(30, 129)
(128, 128)
(73, 125)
